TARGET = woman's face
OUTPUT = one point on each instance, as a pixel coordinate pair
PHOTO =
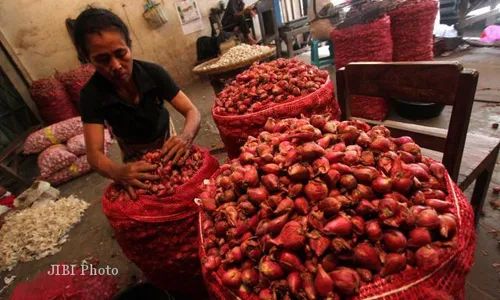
(111, 56)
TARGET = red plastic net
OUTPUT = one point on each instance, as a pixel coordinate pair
(160, 235)
(412, 29)
(362, 43)
(52, 100)
(78, 286)
(446, 281)
(234, 130)
(75, 80)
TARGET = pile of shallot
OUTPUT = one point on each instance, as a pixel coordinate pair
(313, 209)
(264, 85)
(171, 176)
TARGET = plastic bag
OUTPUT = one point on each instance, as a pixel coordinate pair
(491, 34)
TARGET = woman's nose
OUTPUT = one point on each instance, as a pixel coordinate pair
(115, 64)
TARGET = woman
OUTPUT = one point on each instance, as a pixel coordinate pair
(235, 18)
(129, 96)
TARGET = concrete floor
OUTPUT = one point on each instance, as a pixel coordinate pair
(94, 237)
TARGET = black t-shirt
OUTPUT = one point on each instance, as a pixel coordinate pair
(134, 124)
(233, 7)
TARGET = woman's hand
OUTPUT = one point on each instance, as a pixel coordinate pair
(132, 175)
(176, 148)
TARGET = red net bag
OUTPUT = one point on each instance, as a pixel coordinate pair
(75, 80)
(76, 169)
(446, 281)
(80, 285)
(160, 235)
(52, 100)
(235, 129)
(365, 42)
(412, 28)
(52, 135)
(55, 158)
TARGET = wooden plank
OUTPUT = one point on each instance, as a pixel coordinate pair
(430, 82)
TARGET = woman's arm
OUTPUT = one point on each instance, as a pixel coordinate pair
(130, 175)
(177, 146)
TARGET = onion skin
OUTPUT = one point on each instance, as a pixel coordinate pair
(302, 205)
(340, 226)
(291, 237)
(308, 285)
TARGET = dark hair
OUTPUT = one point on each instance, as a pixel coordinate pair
(96, 20)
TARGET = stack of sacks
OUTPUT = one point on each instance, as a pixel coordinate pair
(74, 81)
(62, 150)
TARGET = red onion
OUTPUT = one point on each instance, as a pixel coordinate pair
(208, 204)
(358, 225)
(394, 263)
(350, 158)
(311, 151)
(427, 257)
(284, 206)
(380, 144)
(302, 205)
(299, 172)
(418, 198)
(318, 243)
(413, 149)
(348, 182)
(367, 158)
(340, 245)
(294, 282)
(402, 181)
(439, 205)
(290, 262)
(271, 168)
(325, 141)
(346, 281)
(365, 208)
(339, 147)
(250, 277)
(330, 206)
(247, 208)
(231, 278)
(447, 225)
(211, 263)
(349, 134)
(387, 208)
(329, 262)
(341, 168)
(220, 228)
(266, 294)
(363, 140)
(406, 157)
(291, 237)
(373, 230)
(366, 257)
(277, 224)
(308, 284)
(403, 140)
(316, 219)
(419, 237)
(330, 126)
(385, 165)
(234, 255)
(394, 241)
(316, 190)
(251, 249)
(365, 174)
(295, 189)
(436, 194)
(428, 218)
(257, 195)
(365, 275)
(340, 226)
(321, 166)
(271, 270)
(251, 177)
(271, 182)
(438, 170)
(417, 171)
(334, 156)
(323, 283)
(331, 177)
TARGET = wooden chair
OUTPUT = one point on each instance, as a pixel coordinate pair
(467, 157)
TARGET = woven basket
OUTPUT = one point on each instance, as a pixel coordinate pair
(199, 69)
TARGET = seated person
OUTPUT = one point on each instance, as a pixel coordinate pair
(234, 19)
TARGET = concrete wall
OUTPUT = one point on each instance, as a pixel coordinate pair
(36, 31)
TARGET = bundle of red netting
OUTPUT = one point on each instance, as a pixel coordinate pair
(282, 88)
(81, 284)
(75, 80)
(52, 100)
(158, 231)
(361, 43)
(412, 27)
(321, 209)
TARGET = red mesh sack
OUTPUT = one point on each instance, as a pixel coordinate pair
(52, 100)
(52, 135)
(76, 169)
(80, 286)
(446, 281)
(235, 129)
(412, 28)
(160, 235)
(75, 80)
(361, 43)
(371, 108)
(55, 158)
